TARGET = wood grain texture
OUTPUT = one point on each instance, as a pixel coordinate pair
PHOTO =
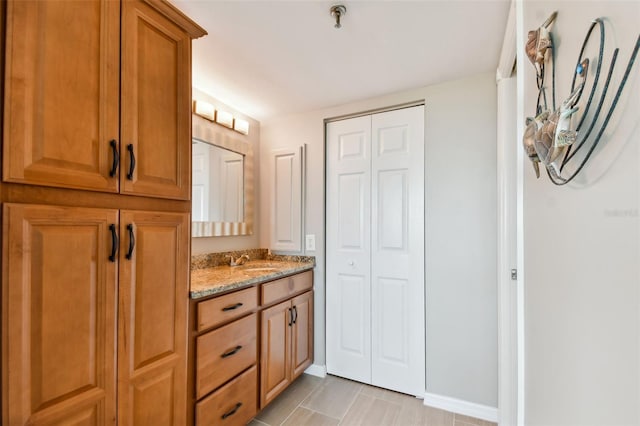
(19, 193)
(222, 309)
(59, 304)
(286, 287)
(239, 339)
(152, 326)
(155, 111)
(57, 137)
(302, 334)
(216, 409)
(275, 342)
(179, 18)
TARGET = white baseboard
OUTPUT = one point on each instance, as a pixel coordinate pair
(459, 406)
(317, 370)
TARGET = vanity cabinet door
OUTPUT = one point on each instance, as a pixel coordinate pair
(62, 93)
(152, 325)
(156, 104)
(275, 373)
(301, 334)
(59, 308)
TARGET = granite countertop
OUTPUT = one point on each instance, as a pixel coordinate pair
(219, 279)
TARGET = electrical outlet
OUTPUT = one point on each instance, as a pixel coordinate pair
(310, 242)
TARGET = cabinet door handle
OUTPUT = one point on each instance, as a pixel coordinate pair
(232, 412)
(114, 243)
(132, 242)
(116, 158)
(295, 314)
(231, 352)
(231, 307)
(132, 162)
(290, 317)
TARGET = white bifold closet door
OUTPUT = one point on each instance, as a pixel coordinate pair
(375, 249)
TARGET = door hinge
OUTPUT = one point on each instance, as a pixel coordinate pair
(514, 274)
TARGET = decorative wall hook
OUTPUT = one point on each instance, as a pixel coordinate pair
(337, 11)
(550, 138)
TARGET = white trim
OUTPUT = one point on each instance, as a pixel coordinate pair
(508, 52)
(459, 406)
(520, 214)
(507, 253)
(317, 370)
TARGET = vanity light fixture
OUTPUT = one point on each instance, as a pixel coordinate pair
(224, 118)
(241, 126)
(204, 110)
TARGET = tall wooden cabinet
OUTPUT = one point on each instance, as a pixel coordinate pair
(95, 282)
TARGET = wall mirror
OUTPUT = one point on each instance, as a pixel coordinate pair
(222, 195)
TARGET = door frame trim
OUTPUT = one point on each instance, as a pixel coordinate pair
(509, 207)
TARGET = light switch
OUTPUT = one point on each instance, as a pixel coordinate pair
(310, 242)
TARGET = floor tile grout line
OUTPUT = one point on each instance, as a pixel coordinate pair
(350, 405)
(300, 403)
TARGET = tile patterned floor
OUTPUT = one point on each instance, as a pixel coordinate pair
(312, 401)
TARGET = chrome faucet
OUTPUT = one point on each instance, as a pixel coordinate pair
(239, 261)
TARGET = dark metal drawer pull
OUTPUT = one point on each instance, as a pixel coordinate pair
(290, 317)
(114, 243)
(232, 307)
(295, 314)
(116, 158)
(231, 352)
(132, 162)
(232, 412)
(132, 242)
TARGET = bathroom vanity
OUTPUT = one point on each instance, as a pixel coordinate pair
(251, 335)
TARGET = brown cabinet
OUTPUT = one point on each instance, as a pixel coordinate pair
(61, 93)
(233, 404)
(225, 358)
(286, 344)
(64, 274)
(152, 310)
(88, 109)
(95, 292)
(237, 370)
(156, 104)
(59, 305)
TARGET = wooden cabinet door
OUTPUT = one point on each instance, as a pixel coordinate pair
(275, 371)
(302, 334)
(152, 325)
(59, 308)
(62, 93)
(156, 104)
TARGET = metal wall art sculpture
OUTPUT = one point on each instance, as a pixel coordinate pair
(550, 137)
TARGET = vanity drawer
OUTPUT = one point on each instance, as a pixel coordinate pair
(225, 352)
(285, 287)
(222, 309)
(233, 404)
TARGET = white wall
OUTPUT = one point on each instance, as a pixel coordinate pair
(220, 244)
(581, 245)
(460, 137)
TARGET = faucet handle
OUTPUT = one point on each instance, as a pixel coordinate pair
(232, 261)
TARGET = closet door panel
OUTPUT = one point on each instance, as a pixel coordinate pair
(62, 93)
(397, 250)
(348, 248)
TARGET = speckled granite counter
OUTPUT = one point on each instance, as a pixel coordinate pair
(219, 279)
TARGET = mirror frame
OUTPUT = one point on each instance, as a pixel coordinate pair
(206, 131)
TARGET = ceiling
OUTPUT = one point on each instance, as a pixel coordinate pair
(269, 58)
